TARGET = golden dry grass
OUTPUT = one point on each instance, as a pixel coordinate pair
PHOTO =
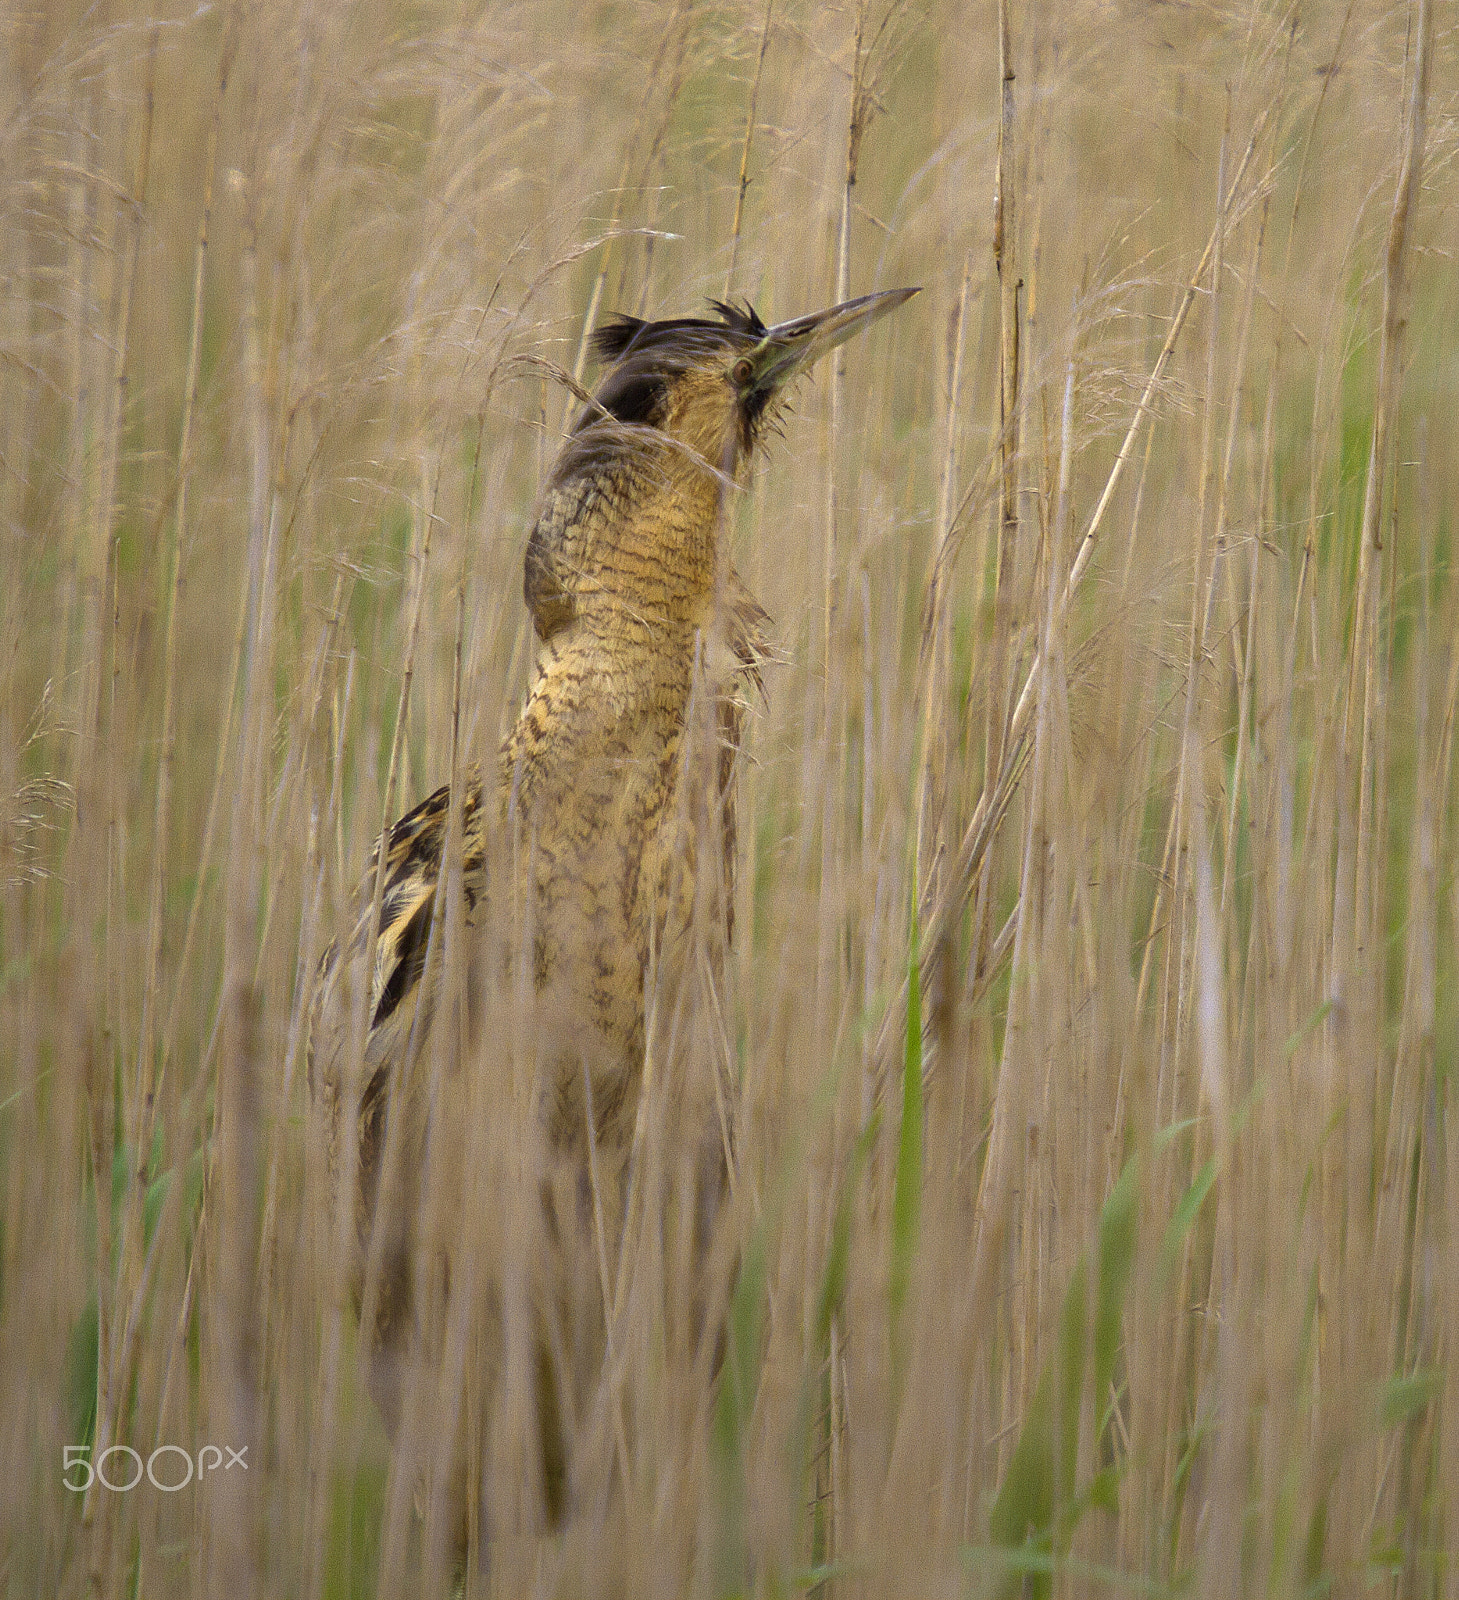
(1139, 1269)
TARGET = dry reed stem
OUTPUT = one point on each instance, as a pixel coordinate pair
(672, 37)
(1357, 760)
(1006, 263)
(744, 179)
(115, 1354)
(933, 644)
(1355, 938)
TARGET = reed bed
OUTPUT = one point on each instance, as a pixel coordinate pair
(1094, 1005)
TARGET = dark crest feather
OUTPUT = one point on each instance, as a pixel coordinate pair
(613, 338)
(742, 318)
(623, 335)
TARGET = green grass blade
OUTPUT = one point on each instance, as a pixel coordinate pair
(1118, 1226)
(1033, 1519)
(734, 1404)
(1183, 1221)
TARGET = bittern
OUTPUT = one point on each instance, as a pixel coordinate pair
(615, 826)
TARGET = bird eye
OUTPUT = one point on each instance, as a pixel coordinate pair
(742, 371)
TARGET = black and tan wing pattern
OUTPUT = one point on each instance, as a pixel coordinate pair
(414, 849)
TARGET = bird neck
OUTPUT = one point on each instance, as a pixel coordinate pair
(653, 552)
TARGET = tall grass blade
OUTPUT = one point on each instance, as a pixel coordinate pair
(907, 1184)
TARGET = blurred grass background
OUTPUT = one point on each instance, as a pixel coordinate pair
(1099, 1231)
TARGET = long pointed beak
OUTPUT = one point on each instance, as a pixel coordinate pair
(790, 347)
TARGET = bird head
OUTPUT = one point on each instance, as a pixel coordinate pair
(716, 385)
(678, 411)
